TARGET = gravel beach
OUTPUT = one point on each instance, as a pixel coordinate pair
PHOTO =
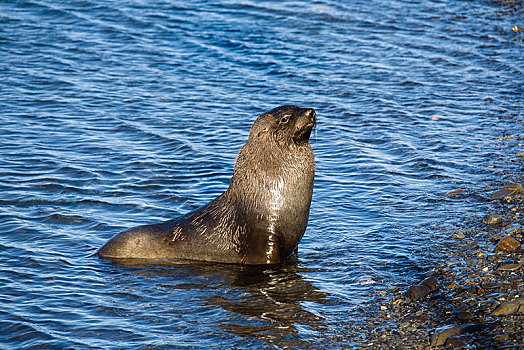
(473, 297)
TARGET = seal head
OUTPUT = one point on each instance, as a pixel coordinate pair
(262, 216)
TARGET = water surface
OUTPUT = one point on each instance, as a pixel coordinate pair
(117, 114)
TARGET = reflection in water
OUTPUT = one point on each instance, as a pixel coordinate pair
(265, 303)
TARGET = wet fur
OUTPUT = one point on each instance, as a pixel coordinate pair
(262, 216)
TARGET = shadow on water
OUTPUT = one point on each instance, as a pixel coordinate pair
(267, 304)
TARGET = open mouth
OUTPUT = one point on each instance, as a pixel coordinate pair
(302, 135)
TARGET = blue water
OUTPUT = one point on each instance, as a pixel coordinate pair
(117, 114)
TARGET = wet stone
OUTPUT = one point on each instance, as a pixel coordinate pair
(462, 307)
(418, 292)
(514, 229)
(463, 315)
(492, 220)
(473, 289)
(508, 265)
(443, 333)
(500, 338)
(431, 282)
(474, 328)
(485, 306)
(455, 341)
(480, 290)
(509, 307)
(490, 285)
(414, 319)
(507, 243)
(459, 235)
(510, 189)
(474, 245)
(510, 200)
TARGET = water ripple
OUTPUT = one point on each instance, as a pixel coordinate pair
(116, 116)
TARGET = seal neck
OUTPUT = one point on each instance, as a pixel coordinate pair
(265, 172)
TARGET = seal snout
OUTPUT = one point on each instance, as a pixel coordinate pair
(311, 117)
(310, 113)
(304, 125)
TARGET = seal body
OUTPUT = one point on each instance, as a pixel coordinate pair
(262, 216)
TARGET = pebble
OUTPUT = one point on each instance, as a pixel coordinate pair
(490, 285)
(492, 220)
(508, 265)
(507, 243)
(443, 333)
(459, 235)
(456, 342)
(414, 319)
(463, 315)
(431, 282)
(501, 338)
(514, 229)
(508, 190)
(509, 307)
(418, 292)
(474, 328)
(473, 289)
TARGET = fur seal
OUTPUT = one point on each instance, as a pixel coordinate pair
(261, 217)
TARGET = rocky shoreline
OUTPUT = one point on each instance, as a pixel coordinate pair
(473, 298)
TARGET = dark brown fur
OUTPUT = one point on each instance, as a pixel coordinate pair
(262, 216)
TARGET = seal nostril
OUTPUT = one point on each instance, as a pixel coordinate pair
(310, 112)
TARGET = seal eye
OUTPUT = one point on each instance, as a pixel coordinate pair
(284, 120)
